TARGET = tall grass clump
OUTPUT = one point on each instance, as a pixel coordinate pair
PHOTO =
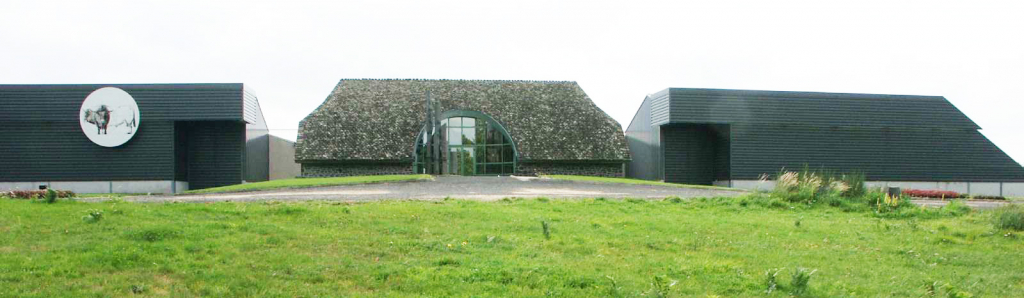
(810, 187)
(1010, 217)
(801, 279)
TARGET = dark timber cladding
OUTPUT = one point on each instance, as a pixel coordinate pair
(371, 126)
(704, 135)
(188, 132)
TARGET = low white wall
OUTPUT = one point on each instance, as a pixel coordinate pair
(1006, 189)
(147, 186)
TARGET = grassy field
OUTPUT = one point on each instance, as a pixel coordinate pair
(309, 182)
(596, 247)
(632, 181)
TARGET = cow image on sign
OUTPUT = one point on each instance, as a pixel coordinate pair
(109, 117)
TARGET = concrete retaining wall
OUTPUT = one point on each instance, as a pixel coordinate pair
(146, 186)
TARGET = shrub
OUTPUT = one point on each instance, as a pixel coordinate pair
(38, 194)
(1010, 217)
(934, 194)
(51, 196)
(994, 198)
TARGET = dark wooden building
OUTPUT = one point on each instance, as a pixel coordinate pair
(189, 136)
(732, 137)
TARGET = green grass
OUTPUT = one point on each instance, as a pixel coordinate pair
(454, 248)
(309, 182)
(633, 181)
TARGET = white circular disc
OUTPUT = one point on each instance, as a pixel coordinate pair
(109, 117)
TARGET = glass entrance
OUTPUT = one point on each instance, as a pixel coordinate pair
(475, 145)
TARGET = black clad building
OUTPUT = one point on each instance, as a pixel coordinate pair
(732, 137)
(188, 136)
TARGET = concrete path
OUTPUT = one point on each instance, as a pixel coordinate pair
(478, 188)
(973, 204)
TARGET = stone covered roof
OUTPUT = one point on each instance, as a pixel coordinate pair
(378, 120)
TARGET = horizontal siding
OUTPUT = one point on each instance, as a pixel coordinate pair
(215, 153)
(59, 151)
(177, 102)
(815, 109)
(689, 154)
(882, 154)
(659, 107)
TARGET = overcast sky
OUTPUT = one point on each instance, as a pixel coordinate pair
(292, 53)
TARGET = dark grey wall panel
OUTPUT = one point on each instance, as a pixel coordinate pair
(215, 153)
(156, 102)
(721, 135)
(883, 154)
(59, 151)
(257, 141)
(812, 108)
(689, 153)
(644, 145)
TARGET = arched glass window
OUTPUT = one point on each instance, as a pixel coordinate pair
(472, 144)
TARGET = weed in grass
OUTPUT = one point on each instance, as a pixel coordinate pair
(660, 286)
(51, 196)
(613, 290)
(797, 222)
(635, 200)
(138, 289)
(800, 280)
(543, 200)
(546, 228)
(448, 262)
(955, 292)
(1009, 217)
(771, 281)
(675, 200)
(153, 234)
(346, 210)
(93, 216)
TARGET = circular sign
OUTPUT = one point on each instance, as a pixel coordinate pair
(109, 117)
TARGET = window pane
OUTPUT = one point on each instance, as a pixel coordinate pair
(493, 135)
(493, 154)
(507, 153)
(466, 164)
(466, 121)
(481, 134)
(468, 135)
(455, 121)
(454, 136)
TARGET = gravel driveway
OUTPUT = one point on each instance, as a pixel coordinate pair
(477, 188)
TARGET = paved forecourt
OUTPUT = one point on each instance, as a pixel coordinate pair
(461, 187)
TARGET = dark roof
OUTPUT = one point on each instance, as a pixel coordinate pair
(378, 120)
(685, 105)
(173, 102)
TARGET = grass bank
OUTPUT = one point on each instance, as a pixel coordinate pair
(633, 181)
(309, 182)
(591, 247)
